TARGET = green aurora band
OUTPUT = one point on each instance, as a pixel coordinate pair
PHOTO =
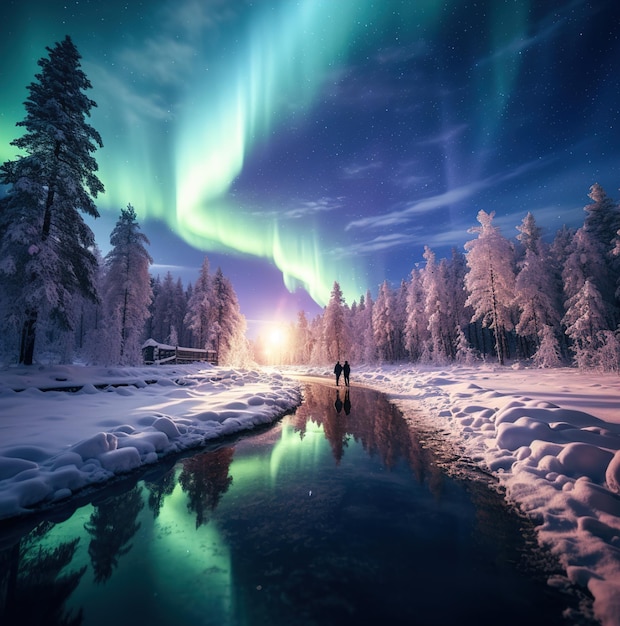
(181, 111)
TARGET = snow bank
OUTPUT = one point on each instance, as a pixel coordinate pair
(110, 421)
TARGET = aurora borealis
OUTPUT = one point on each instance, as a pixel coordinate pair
(322, 140)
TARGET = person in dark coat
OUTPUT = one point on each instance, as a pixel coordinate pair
(346, 371)
(337, 371)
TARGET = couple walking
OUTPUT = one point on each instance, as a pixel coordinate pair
(342, 369)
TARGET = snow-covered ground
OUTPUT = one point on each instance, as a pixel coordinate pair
(551, 436)
(54, 443)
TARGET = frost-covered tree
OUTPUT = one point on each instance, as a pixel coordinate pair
(400, 320)
(464, 353)
(585, 318)
(88, 339)
(615, 255)
(602, 223)
(607, 357)
(602, 217)
(302, 340)
(536, 293)
(490, 280)
(416, 329)
(198, 316)
(335, 338)
(440, 327)
(127, 291)
(228, 324)
(46, 256)
(548, 353)
(178, 313)
(383, 323)
(458, 312)
(363, 329)
(585, 262)
(164, 309)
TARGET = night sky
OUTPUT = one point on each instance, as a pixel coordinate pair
(300, 142)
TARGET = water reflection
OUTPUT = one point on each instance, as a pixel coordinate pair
(111, 527)
(337, 514)
(206, 478)
(36, 581)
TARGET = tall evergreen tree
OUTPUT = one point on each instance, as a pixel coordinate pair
(416, 329)
(228, 325)
(584, 319)
(490, 280)
(334, 326)
(164, 310)
(127, 288)
(602, 217)
(441, 328)
(45, 245)
(535, 288)
(383, 326)
(602, 223)
(198, 315)
(302, 342)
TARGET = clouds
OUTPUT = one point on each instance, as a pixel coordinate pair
(419, 208)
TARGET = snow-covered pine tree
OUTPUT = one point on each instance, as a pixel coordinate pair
(585, 318)
(335, 337)
(45, 245)
(585, 262)
(302, 340)
(602, 217)
(435, 308)
(548, 353)
(615, 255)
(164, 309)
(89, 338)
(607, 357)
(417, 335)
(602, 223)
(400, 320)
(459, 314)
(490, 280)
(364, 334)
(228, 325)
(127, 291)
(383, 324)
(198, 315)
(536, 293)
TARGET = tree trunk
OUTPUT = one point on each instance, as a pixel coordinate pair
(26, 347)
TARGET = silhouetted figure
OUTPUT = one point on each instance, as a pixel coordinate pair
(338, 403)
(337, 371)
(346, 371)
(347, 402)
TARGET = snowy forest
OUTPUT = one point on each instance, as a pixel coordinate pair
(549, 303)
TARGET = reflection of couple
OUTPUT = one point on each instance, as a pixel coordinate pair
(339, 404)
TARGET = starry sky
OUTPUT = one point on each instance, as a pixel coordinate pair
(299, 142)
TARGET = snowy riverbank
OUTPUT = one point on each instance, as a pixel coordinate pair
(553, 439)
(54, 443)
(551, 436)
